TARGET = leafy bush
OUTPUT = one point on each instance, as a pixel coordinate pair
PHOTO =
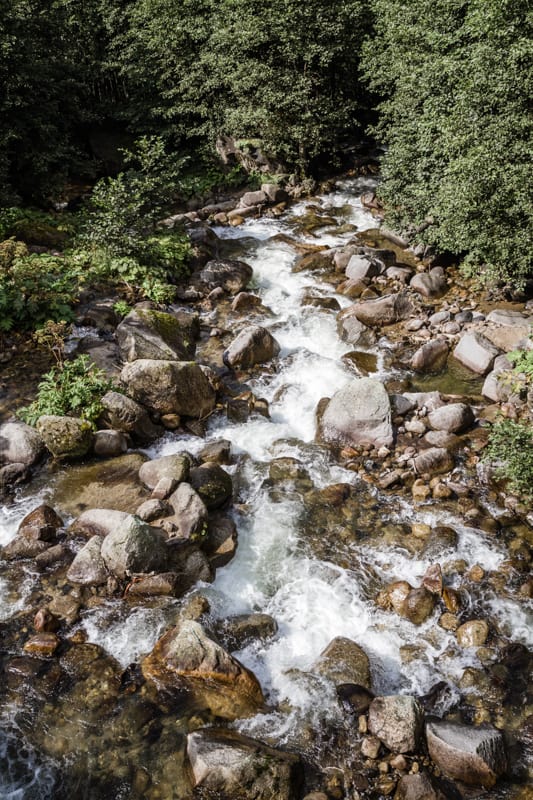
(523, 363)
(74, 388)
(35, 288)
(510, 449)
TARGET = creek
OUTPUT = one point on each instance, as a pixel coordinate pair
(316, 569)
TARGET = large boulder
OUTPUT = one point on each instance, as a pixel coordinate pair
(431, 356)
(145, 333)
(186, 658)
(475, 756)
(344, 661)
(429, 284)
(453, 418)
(476, 353)
(42, 523)
(213, 484)
(88, 567)
(235, 767)
(20, 444)
(173, 467)
(397, 721)
(124, 414)
(170, 387)
(359, 412)
(232, 276)
(360, 267)
(352, 330)
(190, 513)
(133, 546)
(386, 310)
(253, 345)
(65, 437)
(97, 522)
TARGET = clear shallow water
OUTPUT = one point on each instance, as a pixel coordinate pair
(275, 571)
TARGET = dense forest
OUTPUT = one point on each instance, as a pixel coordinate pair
(442, 85)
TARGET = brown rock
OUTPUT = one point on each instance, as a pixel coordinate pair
(473, 633)
(40, 524)
(475, 756)
(397, 721)
(42, 644)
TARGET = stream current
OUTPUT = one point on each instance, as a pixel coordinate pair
(315, 587)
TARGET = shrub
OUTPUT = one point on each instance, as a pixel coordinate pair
(510, 449)
(74, 388)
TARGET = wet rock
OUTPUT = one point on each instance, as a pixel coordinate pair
(432, 579)
(165, 584)
(429, 284)
(475, 756)
(218, 451)
(42, 523)
(385, 310)
(473, 633)
(170, 387)
(397, 720)
(352, 330)
(42, 644)
(370, 747)
(243, 629)
(186, 658)
(431, 357)
(174, 467)
(245, 301)
(134, 547)
(433, 461)
(287, 469)
(98, 522)
(452, 418)
(88, 567)
(253, 345)
(418, 787)
(221, 542)
(145, 333)
(20, 444)
(191, 568)
(65, 437)
(363, 364)
(232, 276)
(109, 444)
(476, 353)
(274, 193)
(112, 484)
(212, 483)
(343, 661)
(416, 605)
(124, 414)
(314, 262)
(21, 547)
(440, 539)
(190, 513)
(357, 698)
(235, 767)
(359, 412)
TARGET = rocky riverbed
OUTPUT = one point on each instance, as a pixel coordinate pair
(279, 569)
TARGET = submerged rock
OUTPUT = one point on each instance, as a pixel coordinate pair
(397, 721)
(359, 412)
(418, 787)
(186, 658)
(475, 756)
(235, 767)
(343, 661)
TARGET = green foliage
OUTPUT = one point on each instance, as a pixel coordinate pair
(522, 361)
(121, 308)
(455, 80)
(35, 288)
(510, 448)
(74, 388)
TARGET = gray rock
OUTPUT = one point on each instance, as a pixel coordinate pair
(433, 461)
(241, 630)
(401, 405)
(476, 353)
(170, 387)
(401, 274)
(475, 756)
(397, 721)
(503, 316)
(438, 318)
(98, 522)
(431, 356)
(429, 284)
(124, 414)
(218, 451)
(153, 509)
(359, 412)
(344, 661)
(232, 276)
(274, 193)
(20, 444)
(253, 345)
(176, 467)
(425, 400)
(146, 333)
(65, 437)
(352, 330)
(108, 444)
(187, 658)
(360, 267)
(417, 787)
(442, 439)
(452, 418)
(385, 310)
(191, 568)
(190, 513)
(235, 767)
(88, 567)
(253, 199)
(494, 388)
(134, 547)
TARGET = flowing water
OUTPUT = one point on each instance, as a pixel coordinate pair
(317, 580)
